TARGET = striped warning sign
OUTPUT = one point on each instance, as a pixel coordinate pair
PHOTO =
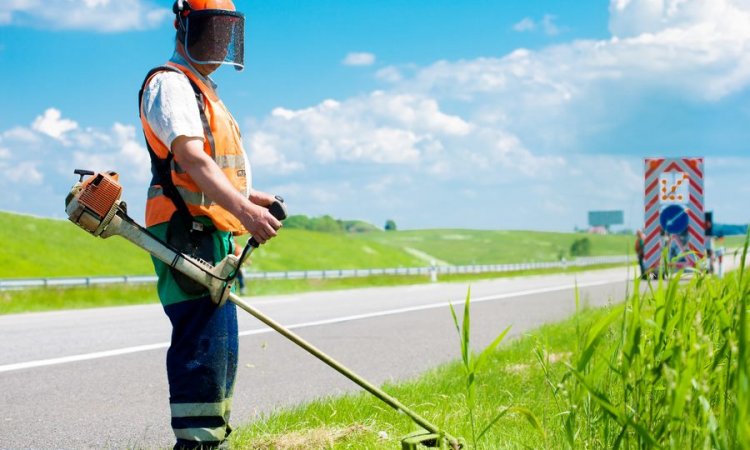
(673, 210)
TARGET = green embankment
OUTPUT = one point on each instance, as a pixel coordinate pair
(35, 247)
(489, 247)
(310, 250)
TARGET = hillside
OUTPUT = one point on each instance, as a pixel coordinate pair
(489, 247)
(35, 247)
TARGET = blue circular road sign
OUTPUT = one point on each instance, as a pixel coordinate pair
(674, 219)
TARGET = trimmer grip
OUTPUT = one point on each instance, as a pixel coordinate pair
(278, 210)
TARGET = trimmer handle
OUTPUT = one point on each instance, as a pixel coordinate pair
(82, 173)
(278, 210)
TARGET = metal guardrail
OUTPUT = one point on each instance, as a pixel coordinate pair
(22, 283)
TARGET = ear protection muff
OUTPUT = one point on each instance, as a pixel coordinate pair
(179, 8)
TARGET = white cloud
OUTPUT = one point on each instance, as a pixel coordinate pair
(96, 15)
(21, 134)
(547, 24)
(122, 153)
(52, 124)
(389, 74)
(704, 58)
(381, 128)
(265, 153)
(26, 172)
(359, 59)
(60, 148)
(526, 24)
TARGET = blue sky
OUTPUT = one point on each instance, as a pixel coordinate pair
(472, 114)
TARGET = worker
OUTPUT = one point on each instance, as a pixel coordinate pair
(200, 197)
(640, 244)
(710, 258)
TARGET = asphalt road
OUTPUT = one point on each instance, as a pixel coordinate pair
(96, 378)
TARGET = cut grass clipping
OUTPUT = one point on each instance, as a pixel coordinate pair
(669, 368)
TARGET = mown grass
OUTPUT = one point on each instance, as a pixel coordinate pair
(668, 368)
(52, 298)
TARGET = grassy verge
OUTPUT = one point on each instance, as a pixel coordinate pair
(511, 376)
(51, 299)
(669, 368)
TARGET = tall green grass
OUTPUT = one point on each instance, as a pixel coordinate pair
(667, 369)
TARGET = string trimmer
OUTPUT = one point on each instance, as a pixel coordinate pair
(94, 204)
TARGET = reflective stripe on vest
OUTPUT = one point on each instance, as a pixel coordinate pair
(190, 197)
(223, 143)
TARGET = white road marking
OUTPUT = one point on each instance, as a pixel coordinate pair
(143, 348)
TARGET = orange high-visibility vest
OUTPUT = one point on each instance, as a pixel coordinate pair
(222, 142)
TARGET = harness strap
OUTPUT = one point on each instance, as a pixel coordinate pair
(161, 168)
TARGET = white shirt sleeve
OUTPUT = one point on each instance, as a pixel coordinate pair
(171, 109)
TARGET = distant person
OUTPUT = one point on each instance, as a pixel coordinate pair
(709, 246)
(640, 244)
(719, 254)
(200, 196)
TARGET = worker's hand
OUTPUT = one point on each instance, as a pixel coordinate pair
(262, 198)
(259, 222)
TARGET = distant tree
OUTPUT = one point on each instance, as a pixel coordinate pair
(327, 224)
(359, 226)
(390, 225)
(581, 247)
(297, 221)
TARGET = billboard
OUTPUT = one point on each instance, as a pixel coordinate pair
(606, 218)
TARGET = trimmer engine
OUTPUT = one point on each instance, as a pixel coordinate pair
(92, 203)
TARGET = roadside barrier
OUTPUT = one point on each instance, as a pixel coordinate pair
(431, 271)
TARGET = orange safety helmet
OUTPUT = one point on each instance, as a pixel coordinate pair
(184, 7)
(212, 31)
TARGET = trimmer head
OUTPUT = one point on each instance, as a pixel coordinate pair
(425, 439)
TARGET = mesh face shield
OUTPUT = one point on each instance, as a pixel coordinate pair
(215, 36)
